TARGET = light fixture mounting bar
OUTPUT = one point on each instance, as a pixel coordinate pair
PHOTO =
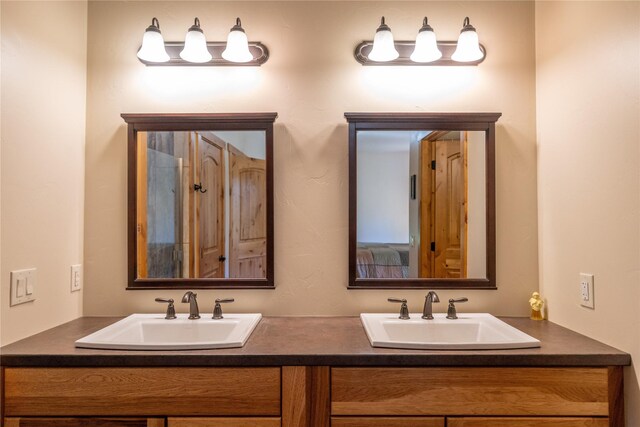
(405, 48)
(258, 50)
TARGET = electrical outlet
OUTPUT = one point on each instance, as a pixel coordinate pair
(76, 277)
(586, 290)
(23, 286)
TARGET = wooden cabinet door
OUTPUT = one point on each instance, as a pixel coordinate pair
(84, 422)
(223, 422)
(387, 422)
(528, 422)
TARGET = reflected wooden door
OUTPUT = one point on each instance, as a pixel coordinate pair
(209, 221)
(141, 205)
(450, 215)
(248, 216)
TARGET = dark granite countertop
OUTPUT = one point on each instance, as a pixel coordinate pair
(336, 341)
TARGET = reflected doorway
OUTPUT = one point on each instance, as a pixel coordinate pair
(201, 209)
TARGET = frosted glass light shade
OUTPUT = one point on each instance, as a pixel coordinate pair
(384, 49)
(426, 49)
(152, 49)
(468, 47)
(237, 49)
(195, 45)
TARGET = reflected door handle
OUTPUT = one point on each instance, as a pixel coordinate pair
(198, 187)
(222, 258)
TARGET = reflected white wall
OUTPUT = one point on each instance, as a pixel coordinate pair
(383, 187)
(477, 206)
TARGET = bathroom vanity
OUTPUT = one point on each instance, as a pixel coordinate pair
(317, 372)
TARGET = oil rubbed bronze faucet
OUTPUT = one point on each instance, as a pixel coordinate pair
(429, 299)
(190, 297)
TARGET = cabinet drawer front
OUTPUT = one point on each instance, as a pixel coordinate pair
(527, 422)
(84, 422)
(142, 391)
(223, 422)
(387, 422)
(469, 391)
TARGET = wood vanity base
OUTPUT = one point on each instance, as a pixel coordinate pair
(314, 396)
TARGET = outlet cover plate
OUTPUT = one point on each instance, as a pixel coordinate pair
(76, 277)
(586, 290)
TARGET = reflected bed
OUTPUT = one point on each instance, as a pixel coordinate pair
(382, 260)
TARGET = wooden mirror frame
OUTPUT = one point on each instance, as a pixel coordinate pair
(196, 122)
(416, 122)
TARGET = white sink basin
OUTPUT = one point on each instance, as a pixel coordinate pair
(154, 332)
(471, 331)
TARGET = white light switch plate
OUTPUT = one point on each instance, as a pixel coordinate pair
(76, 277)
(586, 290)
(23, 285)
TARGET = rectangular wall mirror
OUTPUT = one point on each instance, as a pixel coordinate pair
(200, 200)
(422, 200)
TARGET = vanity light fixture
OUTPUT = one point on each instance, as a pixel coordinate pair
(237, 45)
(197, 51)
(468, 48)
(152, 49)
(426, 50)
(383, 46)
(195, 45)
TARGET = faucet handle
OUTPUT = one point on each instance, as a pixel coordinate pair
(217, 309)
(171, 310)
(404, 310)
(451, 311)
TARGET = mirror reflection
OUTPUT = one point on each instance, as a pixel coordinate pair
(421, 204)
(201, 204)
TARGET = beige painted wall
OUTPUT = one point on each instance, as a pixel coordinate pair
(310, 95)
(588, 109)
(43, 106)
